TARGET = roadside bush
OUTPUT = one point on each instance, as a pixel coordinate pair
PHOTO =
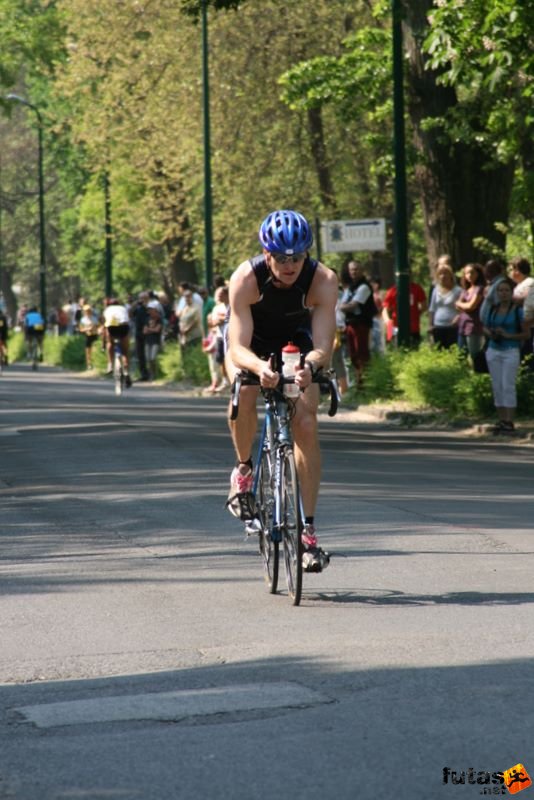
(64, 351)
(382, 377)
(439, 379)
(525, 390)
(430, 377)
(177, 365)
(16, 347)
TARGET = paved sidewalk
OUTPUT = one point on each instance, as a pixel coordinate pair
(405, 416)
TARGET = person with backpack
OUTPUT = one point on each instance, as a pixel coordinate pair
(358, 305)
(506, 331)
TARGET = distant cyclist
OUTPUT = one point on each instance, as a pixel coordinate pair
(4, 330)
(278, 297)
(117, 326)
(34, 329)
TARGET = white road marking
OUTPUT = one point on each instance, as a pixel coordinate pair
(172, 706)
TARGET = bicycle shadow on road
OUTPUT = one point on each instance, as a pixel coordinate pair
(397, 598)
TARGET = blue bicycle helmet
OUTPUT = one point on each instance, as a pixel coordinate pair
(285, 232)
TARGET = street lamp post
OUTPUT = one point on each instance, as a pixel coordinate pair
(109, 235)
(208, 234)
(42, 235)
(402, 271)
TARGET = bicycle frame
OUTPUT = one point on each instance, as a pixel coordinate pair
(276, 432)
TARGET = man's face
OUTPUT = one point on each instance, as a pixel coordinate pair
(355, 271)
(285, 273)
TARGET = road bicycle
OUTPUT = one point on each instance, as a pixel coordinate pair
(273, 510)
(119, 375)
(35, 350)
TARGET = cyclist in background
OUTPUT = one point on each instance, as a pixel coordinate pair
(117, 326)
(34, 328)
(4, 330)
(278, 297)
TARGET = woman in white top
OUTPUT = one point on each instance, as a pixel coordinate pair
(443, 315)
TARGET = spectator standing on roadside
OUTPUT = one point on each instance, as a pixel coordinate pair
(470, 329)
(443, 314)
(167, 308)
(338, 352)
(443, 261)
(208, 303)
(378, 333)
(183, 288)
(152, 337)
(215, 352)
(528, 311)
(505, 330)
(88, 327)
(357, 303)
(139, 314)
(519, 270)
(190, 321)
(494, 274)
(418, 304)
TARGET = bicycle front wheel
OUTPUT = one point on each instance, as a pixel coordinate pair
(269, 550)
(291, 517)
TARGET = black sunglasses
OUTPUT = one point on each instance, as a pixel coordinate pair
(280, 258)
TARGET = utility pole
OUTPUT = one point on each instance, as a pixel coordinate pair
(108, 235)
(400, 234)
(208, 233)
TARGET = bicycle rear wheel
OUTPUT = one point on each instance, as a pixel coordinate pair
(292, 526)
(34, 354)
(269, 550)
(118, 375)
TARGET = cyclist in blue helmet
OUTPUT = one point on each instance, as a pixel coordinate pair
(286, 232)
(281, 296)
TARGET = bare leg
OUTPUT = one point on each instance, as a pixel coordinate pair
(243, 429)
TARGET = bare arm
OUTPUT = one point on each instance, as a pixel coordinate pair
(243, 294)
(470, 305)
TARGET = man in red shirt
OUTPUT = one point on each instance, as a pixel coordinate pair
(418, 305)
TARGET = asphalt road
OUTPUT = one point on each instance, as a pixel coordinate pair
(142, 658)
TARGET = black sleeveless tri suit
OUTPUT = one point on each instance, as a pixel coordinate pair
(281, 315)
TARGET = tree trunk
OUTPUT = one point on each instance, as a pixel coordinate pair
(169, 195)
(463, 193)
(322, 168)
(10, 297)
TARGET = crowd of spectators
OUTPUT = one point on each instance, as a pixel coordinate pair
(465, 308)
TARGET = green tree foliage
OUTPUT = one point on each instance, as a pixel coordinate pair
(32, 38)
(469, 86)
(134, 84)
(486, 53)
(300, 115)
